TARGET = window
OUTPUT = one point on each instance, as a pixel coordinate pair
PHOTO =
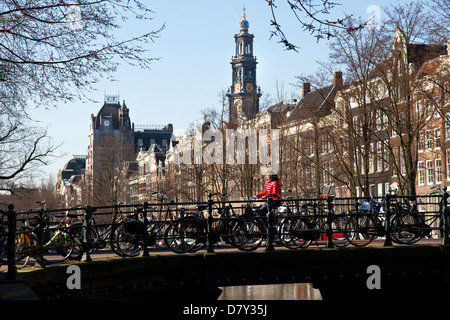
(420, 173)
(446, 92)
(419, 110)
(380, 190)
(379, 156)
(429, 167)
(447, 125)
(371, 158)
(386, 156)
(401, 119)
(420, 141)
(438, 170)
(395, 154)
(447, 163)
(428, 140)
(356, 124)
(437, 138)
(428, 109)
(372, 190)
(437, 109)
(402, 161)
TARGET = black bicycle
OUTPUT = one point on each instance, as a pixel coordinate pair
(369, 222)
(311, 224)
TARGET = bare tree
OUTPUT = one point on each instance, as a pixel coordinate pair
(111, 160)
(312, 17)
(53, 51)
(23, 147)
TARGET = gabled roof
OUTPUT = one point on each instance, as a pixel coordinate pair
(317, 103)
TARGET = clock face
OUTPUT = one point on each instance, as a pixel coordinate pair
(249, 87)
(106, 123)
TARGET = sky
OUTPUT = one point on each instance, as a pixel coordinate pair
(195, 51)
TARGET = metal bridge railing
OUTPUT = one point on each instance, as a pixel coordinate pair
(50, 236)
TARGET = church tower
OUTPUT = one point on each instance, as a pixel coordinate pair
(243, 95)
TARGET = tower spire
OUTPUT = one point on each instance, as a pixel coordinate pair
(243, 94)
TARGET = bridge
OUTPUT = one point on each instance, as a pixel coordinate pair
(381, 270)
(412, 272)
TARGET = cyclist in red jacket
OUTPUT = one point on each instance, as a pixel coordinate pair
(272, 189)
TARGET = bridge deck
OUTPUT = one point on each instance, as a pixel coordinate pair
(201, 274)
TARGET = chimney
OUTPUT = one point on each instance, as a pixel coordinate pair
(338, 79)
(306, 88)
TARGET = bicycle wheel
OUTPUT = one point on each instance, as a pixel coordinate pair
(339, 237)
(360, 230)
(112, 238)
(129, 239)
(57, 246)
(77, 234)
(406, 228)
(181, 236)
(247, 235)
(291, 235)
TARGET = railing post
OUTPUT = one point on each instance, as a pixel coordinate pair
(209, 225)
(445, 216)
(40, 237)
(388, 228)
(87, 226)
(330, 218)
(269, 215)
(11, 245)
(145, 244)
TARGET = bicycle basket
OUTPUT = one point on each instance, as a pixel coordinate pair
(365, 206)
(376, 206)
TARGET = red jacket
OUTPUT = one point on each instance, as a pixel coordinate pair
(271, 189)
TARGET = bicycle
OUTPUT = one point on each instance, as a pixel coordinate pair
(363, 226)
(97, 238)
(434, 221)
(20, 261)
(222, 227)
(47, 244)
(138, 231)
(300, 230)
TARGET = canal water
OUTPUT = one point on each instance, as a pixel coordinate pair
(288, 291)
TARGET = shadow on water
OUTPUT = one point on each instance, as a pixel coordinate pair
(288, 291)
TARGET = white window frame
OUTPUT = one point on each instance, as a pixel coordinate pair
(438, 170)
(429, 171)
(420, 173)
